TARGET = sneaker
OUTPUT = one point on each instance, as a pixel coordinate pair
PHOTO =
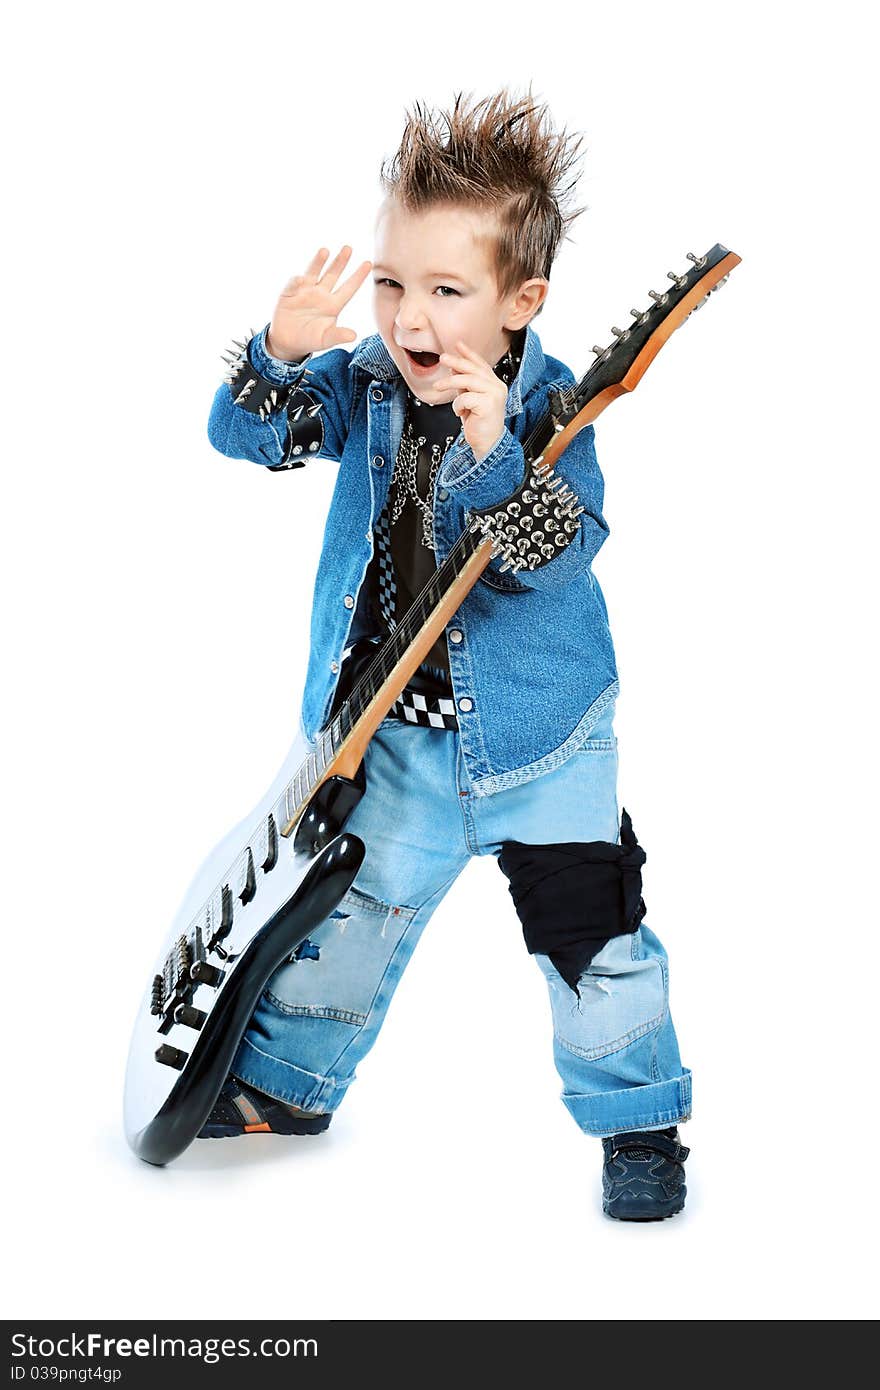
(643, 1176)
(242, 1110)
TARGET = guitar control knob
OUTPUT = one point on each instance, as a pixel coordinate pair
(189, 1016)
(171, 1056)
(204, 974)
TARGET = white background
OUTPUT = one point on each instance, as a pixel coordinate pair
(166, 171)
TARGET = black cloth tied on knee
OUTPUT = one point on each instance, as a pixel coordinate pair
(573, 898)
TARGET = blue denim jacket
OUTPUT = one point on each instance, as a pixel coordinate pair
(531, 656)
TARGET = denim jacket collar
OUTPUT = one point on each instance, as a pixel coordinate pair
(372, 356)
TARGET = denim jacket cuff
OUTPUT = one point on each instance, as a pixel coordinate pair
(483, 483)
(272, 368)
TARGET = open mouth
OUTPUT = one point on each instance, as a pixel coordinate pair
(423, 361)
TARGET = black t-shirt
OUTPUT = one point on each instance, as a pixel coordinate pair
(404, 532)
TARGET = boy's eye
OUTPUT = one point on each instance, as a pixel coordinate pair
(444, 291)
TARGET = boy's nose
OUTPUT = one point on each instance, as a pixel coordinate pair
(410, 315)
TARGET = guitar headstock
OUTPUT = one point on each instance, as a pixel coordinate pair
(538, 520)
(620, 366)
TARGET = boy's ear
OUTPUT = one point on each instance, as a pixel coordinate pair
(525, 302)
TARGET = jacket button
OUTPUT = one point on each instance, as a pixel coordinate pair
(443, 494)
(334, 666)
(348, 601)
(378, 461)
(454, 634)
(465, 705)
(376, 394)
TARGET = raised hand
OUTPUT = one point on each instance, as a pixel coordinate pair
(480, 397)
(305, 316)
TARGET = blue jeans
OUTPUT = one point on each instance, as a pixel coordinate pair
(614, 1047)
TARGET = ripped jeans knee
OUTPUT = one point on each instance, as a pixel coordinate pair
(572, 899)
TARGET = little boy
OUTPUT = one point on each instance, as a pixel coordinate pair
(502, 742)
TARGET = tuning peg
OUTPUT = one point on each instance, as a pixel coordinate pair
(699, 261)
(598, 351)
(659, 298)
(680, 280)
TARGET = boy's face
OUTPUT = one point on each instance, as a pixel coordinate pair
(434, 283)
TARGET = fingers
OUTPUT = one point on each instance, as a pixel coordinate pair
(351, 286)
(336, 336)
(470, 355)
(332, 272)
(319, 272)
(313, 269)
(467, 401)
(460, 381)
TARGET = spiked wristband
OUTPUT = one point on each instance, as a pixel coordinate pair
(250, 390)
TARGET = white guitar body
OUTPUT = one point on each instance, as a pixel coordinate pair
(270, 906)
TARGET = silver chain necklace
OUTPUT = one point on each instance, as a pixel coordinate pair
(405, 479)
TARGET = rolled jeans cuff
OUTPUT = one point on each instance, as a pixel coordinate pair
(284, 1081)
(655, 1106)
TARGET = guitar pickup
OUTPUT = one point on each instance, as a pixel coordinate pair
(247, 879)
(267, 845)
(225, 911)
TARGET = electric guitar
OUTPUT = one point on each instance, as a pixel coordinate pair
(280, 873)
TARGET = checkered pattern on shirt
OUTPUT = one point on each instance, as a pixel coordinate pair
(433, 712)
(385, 571)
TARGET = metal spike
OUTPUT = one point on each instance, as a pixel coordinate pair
(273, 397)
(243, 346)
(298, 412)
(313, 409)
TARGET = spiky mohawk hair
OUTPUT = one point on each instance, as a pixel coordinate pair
(500, 154)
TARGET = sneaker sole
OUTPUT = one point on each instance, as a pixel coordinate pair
(316, 1126)
(642, 1211)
